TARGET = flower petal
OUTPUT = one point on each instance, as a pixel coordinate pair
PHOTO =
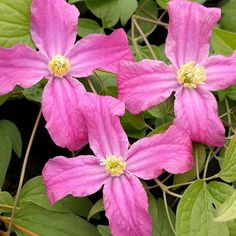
(190, 26)
(171, 151)
(106, 135)
(196, 112)
(54, 26)
(21, 66)
(65, 123)
(79, 176)
(126, 206)
(220, 72)
(145, 84)
(98, 51)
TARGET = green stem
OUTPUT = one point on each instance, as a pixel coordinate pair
(165, 189)
(196, 161)
(207, 163)
(22, 175)
(228, 115)
(167, 213)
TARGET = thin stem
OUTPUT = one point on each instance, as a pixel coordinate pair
(22, 175)
(134, 42)
(167, 213)
(207, 163)
(228, 115)
(164, 180)
(144, 38)
(179, 185)
(211, 177)
(8, 220)
(165, 189)
(152, 21)
(91, 85)
(101, 82)
(6, 206)
(196, 162)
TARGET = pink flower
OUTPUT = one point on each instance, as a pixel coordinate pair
(117, 168)
(53, 29)
(191, 75)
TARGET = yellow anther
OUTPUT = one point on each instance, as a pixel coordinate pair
(59, 66)
(191, 74)
(114, 165)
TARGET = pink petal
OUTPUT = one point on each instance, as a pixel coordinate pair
(98, 51)
(53, 26)
(21, 66)
(65, 123)
(106, 135)
(196, 112)
(145, 84)
(220, 72)
(126, 207)
(190, 26)
(171, 151)
(79, 176)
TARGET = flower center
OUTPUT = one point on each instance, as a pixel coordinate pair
(191, 74)
(114, 165)
(59, 66)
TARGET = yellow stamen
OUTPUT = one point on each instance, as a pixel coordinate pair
(59, 66)
(191, 74)
(114, 165)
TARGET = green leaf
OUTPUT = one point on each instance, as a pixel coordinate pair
(160, 129)
(161, 225)
(144, 52)
(104, 230)
(147, 9)
(88, 26)
(127, 8)
(162, 3)
(6, 199)
(97, 207)
(15, 22)
(227, 211)
(9, 129)
(107, 11)
(35, 92)
(195, 213)
(201, 153)
(163, 109)
(43, 222)
(5, 156)
(223, 42)
(228, 20)
(219, 193)
(34, 192)
(228, 170)
(4, 98)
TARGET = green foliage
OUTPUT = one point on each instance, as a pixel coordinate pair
(228, 169)
(44, 222)
(15, 22)
(228, 20)
(199, 152)
(104, 230)
(223, 42)
(157, 210)
(97, 207)
(88, 26)
(195, 213)
(113, 10)
(9, 139)
(7, 200)
(227, 211)
(34, 192)
(4, 98)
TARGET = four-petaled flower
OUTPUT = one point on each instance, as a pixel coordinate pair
(53, 29)
(191, 75)
(117, 167)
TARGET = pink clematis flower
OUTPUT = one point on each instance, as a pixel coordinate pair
(53, 29)
(191, 75)
(117, 167)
